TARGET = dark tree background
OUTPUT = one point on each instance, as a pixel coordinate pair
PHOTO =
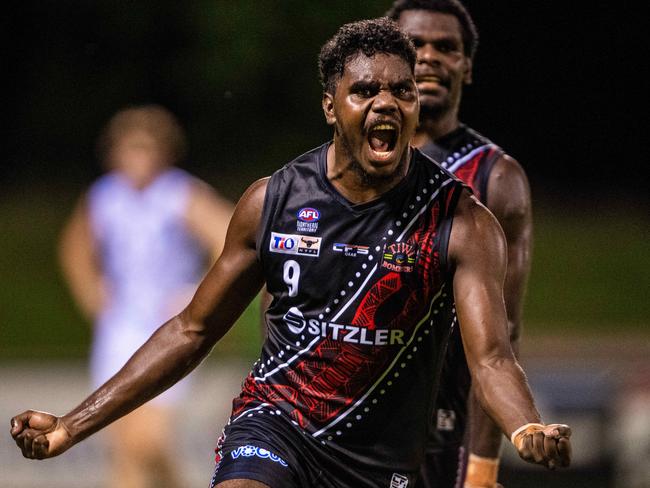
(558, 84)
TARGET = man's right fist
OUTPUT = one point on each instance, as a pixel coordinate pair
(40, 435)
(548, 445)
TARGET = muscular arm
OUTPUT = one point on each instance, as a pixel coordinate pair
(174, 350)
(477, 249)
(80, 264)
(508, 197)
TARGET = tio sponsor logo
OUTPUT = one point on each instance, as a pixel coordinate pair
(295, 244)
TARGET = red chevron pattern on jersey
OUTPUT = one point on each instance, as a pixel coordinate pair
(469, 170)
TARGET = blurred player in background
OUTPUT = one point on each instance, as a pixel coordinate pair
(132, 253)
(446, 38)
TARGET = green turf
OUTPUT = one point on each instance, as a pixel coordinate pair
(591, 273)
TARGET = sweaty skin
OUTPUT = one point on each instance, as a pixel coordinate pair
(477, 250)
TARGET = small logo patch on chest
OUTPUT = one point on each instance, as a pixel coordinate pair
(446, 420)
(295, 244)
(350, 250)
(399, 481)
(307, 220)
(399, 257)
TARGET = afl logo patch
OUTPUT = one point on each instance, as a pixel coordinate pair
(308, 218)
(308, 214)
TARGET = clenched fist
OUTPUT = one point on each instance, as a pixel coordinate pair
(548, 445)
(40, 435)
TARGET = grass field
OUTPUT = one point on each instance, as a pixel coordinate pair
(591, 275)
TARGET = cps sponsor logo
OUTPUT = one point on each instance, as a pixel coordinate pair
(250, 451)
(350, 250)
(295, 244)
(308, 218)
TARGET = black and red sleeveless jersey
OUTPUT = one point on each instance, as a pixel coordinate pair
(471, 157)
(361, 313)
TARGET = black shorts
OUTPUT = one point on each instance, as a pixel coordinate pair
(253, 462)
(443, 468)
(267, 447)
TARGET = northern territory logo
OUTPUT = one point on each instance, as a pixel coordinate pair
(307, 220)
(400, 257)
(295, 244)
(350, 250)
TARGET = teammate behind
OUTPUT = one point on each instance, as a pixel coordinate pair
(133, 253)
(366, 290)
(446, 38)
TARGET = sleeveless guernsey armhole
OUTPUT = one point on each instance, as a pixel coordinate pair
(484, 171)
(270, 202)
(446, 225)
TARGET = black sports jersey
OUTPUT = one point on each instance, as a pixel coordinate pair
(361, 313)
(471, 157)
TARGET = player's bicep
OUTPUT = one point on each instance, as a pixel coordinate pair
(508, 198)
(236, 277)
(477, 249)
(510, 201)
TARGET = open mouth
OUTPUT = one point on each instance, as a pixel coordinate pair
(382, 139)
(429, 79)
(429, 82)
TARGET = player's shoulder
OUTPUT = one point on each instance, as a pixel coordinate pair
(508, 189)
(504, 160)
(107, 182)
(307, 161)
(299, 171)
(106, 191)
(507, 178)
(475, 226)
(475, 138)
(470, 208)
(256, 192)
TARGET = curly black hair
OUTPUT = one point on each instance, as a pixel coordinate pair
(452, 7)
(368, 37)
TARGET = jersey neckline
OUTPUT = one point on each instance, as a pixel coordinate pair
(378, 202)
